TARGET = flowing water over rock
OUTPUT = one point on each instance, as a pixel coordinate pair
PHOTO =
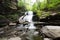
(29, 28)
(21, 31)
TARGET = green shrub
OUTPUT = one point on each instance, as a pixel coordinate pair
(42, 14)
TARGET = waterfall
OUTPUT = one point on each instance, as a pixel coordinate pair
(28, 18)
(31, 28)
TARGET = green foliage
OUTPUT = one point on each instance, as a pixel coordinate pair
(35, 7)
(46, 5)
(20, 3)
(21, 6)
(43, 14)
(53, 4)
(41, 5)
(38, 7)
(39, 13)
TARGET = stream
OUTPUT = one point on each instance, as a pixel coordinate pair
(22, 31)
(29, 28)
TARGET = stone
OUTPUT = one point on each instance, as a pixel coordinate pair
(15, 38)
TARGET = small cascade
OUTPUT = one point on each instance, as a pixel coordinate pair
(30, 26)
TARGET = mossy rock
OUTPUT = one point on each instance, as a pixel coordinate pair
(37, 38)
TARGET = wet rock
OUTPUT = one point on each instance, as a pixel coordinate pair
(15, 38)
(3, 38)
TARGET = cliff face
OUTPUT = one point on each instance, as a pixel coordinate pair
(4, 22)
(13, 4)
(55, 19)
(7, 7)
(52, 18)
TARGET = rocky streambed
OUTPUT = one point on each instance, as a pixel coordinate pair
(13, 33)
(9, 33)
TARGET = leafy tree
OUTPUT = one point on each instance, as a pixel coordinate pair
(35, 7)
(53, 4)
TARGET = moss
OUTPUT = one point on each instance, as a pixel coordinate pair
(42, 14)
(39, 13)
(37, 38)
(58, 12)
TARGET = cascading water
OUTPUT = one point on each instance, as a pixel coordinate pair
(30, 26)
(28, 18)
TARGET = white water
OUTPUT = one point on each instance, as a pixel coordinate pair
(30, 25)
(28, 18)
